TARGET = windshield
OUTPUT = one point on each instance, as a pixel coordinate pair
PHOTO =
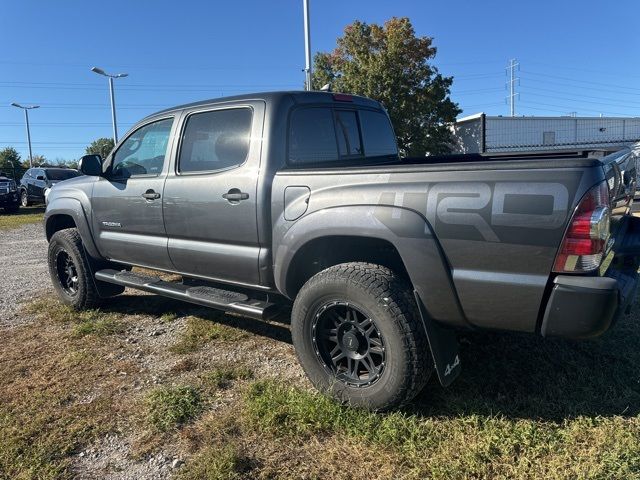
(61, 174)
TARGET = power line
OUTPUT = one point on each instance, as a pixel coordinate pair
(60, 124)
(581, 81)
(581, 69)
(581, 95)
(612, 104)
(569, 108)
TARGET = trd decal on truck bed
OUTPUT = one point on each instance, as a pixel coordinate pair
(483, 207)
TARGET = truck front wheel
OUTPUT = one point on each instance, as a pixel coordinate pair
(358, 336)
(69, 270)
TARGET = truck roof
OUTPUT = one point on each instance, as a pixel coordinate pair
(298, 96)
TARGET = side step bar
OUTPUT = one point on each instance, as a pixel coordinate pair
(226, 300)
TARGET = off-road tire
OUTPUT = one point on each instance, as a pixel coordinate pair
(68, 242)
(388, 300)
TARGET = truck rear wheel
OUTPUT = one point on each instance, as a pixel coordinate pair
(358, 336)
(70, 272)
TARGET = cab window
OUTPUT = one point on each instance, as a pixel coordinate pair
(143, 152)
(215, 140)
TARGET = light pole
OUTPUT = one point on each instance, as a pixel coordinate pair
(99, 71)
(307, 45)
(26, 109)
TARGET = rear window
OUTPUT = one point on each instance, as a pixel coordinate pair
(312, 136)
(61, 174)
(377, 134)
(321, 135)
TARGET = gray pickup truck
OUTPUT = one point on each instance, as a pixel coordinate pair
(299, 202)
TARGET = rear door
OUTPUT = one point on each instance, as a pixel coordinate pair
(127, 202)
(210, 195)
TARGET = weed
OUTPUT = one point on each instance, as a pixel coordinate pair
(199, 332)
(170, 407)
(223, 376)
(215, 463)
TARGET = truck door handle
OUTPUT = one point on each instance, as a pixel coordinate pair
(235, 195)
(150, 195)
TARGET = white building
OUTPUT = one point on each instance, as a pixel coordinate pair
(482, 133)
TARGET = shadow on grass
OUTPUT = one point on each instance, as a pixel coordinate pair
(515, 375)
(157, 305)
(527, 376)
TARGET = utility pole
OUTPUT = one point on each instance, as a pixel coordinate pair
(26, 109)
(99, 71)
(307, 46)
(513, 64)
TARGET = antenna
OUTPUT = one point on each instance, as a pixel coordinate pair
(511, 84)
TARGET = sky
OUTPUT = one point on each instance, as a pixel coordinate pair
(576, 57)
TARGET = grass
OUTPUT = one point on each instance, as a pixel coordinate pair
(199, 332)
(170, 407)
(54, 398)
(22, 217)
(523, 408)
(471, 446)
(223, 377)
(86, 322)
(215, 463)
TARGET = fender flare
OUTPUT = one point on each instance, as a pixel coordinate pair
(74, 209)
(407, 230)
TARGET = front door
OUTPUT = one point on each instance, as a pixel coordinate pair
(210, 195)
(127, 201)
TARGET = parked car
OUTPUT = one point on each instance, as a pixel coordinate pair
(36, 180)
(9, 198)
(263, 202)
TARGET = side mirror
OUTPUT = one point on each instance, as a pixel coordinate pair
(40, 177)
(91, 165)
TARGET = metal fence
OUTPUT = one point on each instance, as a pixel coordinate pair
(487, 134)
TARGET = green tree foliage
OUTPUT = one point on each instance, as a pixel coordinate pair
(101, 146)
(9, 157)
(40, 161)
(390, 64)
(10, 162)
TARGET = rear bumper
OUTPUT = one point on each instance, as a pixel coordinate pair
(583, 307)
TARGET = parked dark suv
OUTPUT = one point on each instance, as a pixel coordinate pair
(36, 180)
(8, 194)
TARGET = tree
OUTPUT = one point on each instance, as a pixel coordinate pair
(101, 146)
(40, 161)
(10, 161)
(390, 64)
(61, 162)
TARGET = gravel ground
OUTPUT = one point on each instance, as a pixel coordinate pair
(23, 256)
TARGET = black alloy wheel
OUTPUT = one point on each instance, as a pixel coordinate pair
(348, 343)
(67, 273)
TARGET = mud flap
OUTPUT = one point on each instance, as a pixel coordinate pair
(444, 347)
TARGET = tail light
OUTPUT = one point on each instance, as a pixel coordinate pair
(585, 241)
